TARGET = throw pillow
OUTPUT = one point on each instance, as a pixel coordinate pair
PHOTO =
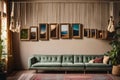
(98, 60)
(105, 59)
(91, 61)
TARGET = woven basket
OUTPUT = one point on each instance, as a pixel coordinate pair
(116, 70)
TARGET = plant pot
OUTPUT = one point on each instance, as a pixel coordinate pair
(116, 70)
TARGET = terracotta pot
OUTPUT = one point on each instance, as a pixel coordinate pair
(116, 70)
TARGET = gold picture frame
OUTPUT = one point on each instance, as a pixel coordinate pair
(87, 32)
(65, 30)
(77, 31)
(93, 33)
(43, 31)
(33, 33)
(54, 31)
(24, 34)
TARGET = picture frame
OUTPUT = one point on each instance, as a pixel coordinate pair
(101, 34)
(33, 33)
(77, 31)
(87, 32)
(93, 33)
(24, 34)
(43, 31)
(65, 31)
(54, 31)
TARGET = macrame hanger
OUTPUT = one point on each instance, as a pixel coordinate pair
(12, 22)
(37, 13)
(111, 27)
(25, 15)
(33, 14)
(18, 18)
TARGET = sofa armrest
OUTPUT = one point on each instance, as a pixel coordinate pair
(32, 60)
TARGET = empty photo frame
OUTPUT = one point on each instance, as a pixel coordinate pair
(65, 31)
(34, 33)
(87, 33)
(43, 32)
(54, 31)
(77, 31)
(24, 34)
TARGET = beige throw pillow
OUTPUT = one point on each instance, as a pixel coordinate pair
(91, 61)
(105, 59)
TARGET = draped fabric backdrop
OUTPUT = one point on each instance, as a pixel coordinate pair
(90, 14)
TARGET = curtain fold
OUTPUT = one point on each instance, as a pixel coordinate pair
(91, 15)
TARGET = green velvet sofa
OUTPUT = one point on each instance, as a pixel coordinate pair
(67, 63)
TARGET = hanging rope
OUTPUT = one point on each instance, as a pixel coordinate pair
(15, 27)
(111, 27)
(12, 22)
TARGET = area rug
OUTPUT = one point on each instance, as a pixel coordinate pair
(30, 76)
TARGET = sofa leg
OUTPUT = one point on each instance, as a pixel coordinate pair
(37, 71)
(65, 72)
(84, 71)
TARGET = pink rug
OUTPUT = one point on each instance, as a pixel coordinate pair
(28, 76)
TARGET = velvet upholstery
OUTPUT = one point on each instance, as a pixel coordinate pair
(67, 62)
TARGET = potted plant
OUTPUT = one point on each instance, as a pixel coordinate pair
(114, 54)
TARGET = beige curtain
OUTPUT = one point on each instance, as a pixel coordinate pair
(91, 15)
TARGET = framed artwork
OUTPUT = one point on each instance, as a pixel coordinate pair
(54, 31)
(24, 34)
(65, 31)
(87, 32)
(101, 34)
(43, 32)
(93, 33)
(77, 31)
(34, 33)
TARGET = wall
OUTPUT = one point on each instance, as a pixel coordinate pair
(92, 15)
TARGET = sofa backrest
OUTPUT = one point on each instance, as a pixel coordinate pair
(78, 59)
(48, 58)
(87, 58)
(67, 58)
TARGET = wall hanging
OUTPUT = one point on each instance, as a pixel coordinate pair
(77, 31)
(87, 32)
(93, 33)
(24, 34)
(54, 31)
(15, 24)
(34, 33)
(43, 31)
(65, 30)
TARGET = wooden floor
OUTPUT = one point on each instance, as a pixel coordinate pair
(15, 75)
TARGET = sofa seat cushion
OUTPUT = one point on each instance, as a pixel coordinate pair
(73, 65)
(97, 65)
(67, 64)
(78, 64)
(38, 64)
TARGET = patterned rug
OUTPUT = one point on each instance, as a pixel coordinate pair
(28, 76)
